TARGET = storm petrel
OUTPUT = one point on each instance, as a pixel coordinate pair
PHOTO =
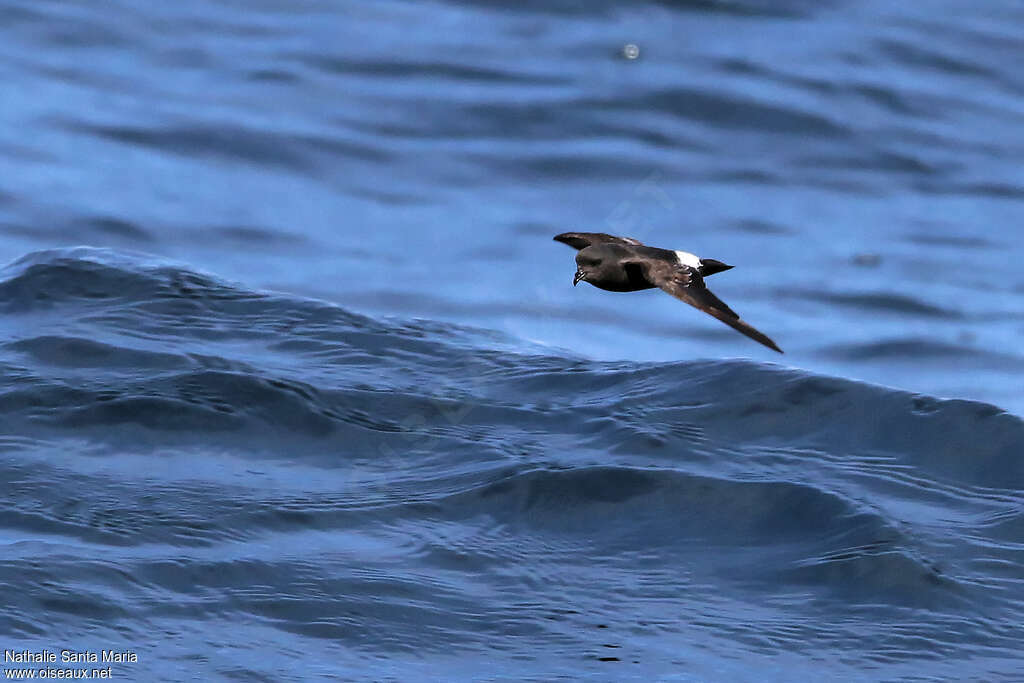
(623, 264)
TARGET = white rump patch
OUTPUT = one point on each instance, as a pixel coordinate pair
(688, 259)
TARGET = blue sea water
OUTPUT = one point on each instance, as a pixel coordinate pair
(295, 384)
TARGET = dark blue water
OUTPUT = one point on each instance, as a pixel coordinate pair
(295, 385)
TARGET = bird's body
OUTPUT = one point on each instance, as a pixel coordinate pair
(622, 264)
(603, 263)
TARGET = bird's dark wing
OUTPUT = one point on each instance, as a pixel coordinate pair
(686, 284)
(581, 240)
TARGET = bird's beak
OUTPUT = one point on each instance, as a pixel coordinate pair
(580, 275)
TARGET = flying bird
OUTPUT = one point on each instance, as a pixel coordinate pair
(623, 264)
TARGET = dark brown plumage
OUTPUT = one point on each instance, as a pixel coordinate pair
(623, 264)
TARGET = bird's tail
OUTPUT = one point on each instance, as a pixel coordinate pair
(709, 266)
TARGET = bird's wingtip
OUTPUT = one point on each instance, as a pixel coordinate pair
(576, 240)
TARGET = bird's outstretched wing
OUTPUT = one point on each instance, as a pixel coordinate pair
(581, 240)
(686, 284)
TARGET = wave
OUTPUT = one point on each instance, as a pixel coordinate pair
(145, 328)
(256, 455)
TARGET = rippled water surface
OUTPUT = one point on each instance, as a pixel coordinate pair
(295, 384)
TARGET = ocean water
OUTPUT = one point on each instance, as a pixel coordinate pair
(295, 384)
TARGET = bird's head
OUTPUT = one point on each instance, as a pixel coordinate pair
(585, 264)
